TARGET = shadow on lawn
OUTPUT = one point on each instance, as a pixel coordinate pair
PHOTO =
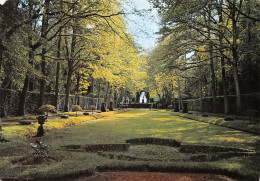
(184, 152)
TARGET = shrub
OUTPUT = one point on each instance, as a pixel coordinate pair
(46, 109)
(170, 107)
(92, 107)
(76, 108)
(159, 105)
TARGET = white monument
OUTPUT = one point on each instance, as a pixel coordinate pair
(143, 98)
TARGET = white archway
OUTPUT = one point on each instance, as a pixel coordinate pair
(143, 98)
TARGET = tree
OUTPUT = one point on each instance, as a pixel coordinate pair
(215, 24)
(44, 29)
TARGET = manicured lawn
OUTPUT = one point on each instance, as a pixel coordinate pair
(117, 129)
(146, 123)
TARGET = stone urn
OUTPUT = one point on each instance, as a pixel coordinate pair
(41, 119)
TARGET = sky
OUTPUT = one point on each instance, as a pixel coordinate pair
(144, 26)
(2, 2)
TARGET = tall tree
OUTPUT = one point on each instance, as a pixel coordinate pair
(44, 29)
(222, 19)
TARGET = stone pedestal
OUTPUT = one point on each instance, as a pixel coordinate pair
(176, 107)
(40, 131)
(111, 106)
(185, 107)
(103, 107)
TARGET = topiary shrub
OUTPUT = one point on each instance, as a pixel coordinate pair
(159, 105)
(92, 107)
(43, 111)
(76, 108)
(170, 107)
(46, 109)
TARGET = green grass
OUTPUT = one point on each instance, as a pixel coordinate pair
(239, 123)
(118, 128)
(144, 123)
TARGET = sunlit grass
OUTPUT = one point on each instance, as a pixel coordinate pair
(231, 139)
(19, 131)
(24, 131)
(116, 129)
(145, 123)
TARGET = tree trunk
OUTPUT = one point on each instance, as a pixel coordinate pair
(42, 83)
(222, 60)
(235, 57)
(5, 93)
(98, 96)
(213, 77)
(43, 62)
(224, 82)
(77, 90)
(93, 90)
(201, 90)
(111, 98)
(237, 87)
(58, 68)
(213, 86)
(107, 94)
(71, 65)
(57, 74)
(22, 97)
(207, 17)
(1, 56)
(67, 91)
(179, 92)
(57, 84)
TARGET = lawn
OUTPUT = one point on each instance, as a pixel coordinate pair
(146, 123)
(18, 161)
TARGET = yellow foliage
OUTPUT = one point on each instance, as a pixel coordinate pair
(51, 124)
(116, 59)
(172, 81)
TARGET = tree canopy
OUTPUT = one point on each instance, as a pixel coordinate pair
(207, 48)
(212, 45)
(66, 47)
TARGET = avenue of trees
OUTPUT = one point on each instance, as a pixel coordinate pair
(207, 48)
(78, 47)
